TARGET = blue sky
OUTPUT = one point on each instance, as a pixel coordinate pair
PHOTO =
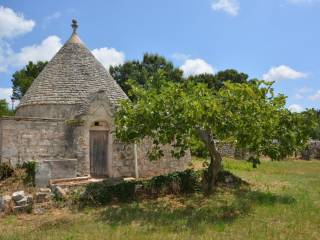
(271, 39)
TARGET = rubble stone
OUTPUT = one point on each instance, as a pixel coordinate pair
(21, 202)
(59, 192)
(17, 196)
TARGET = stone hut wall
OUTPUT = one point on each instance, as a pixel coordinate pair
(24, 139)
(123, 160)
(58, 142)
(166, 164)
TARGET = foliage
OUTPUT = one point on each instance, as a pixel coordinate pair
(30, 168)
(144, 71)
(216, 81)
(74, 122)
(315, 134)
(250, 115)
(291, 134)
(4, 109)
(6, 170)
(22, 79)
(188, 181)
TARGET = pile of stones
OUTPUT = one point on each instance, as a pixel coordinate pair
(20, 202)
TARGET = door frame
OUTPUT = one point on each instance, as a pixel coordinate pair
(108, 153)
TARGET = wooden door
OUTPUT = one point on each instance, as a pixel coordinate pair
(98, 153)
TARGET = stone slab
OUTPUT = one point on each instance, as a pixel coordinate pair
(43, 174)
(65, 168)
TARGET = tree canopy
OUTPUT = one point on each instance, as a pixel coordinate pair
(143, 71)
(249, 114)
(22, 79)
(216, 81)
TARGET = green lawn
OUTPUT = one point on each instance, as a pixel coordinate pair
(283, 202)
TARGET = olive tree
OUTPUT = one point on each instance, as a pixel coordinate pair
(249, 114)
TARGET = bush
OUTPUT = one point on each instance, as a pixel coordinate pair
(30, 168)
(102, 193)
(185, 182)
(6, 170)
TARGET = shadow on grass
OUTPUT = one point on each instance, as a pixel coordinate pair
(192, 212)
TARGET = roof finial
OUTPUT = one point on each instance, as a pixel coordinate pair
(74, 25)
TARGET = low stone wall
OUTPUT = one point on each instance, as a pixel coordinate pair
(226, 149)
(55, 169)
(312, 151)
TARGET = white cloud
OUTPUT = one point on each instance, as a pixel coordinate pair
(41, 52)
(53, 16)
(109, 56)
(316, 96)
(301, 93)
(231, 7)
(13, 24)
(6, 93)
(5, 54)
(195, 67)
(180, 56)
(295, 108)
(282, 72)
(46, 50)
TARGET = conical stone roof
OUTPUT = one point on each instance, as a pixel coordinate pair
(71, 77)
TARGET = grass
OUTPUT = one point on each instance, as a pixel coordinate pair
(283, 202)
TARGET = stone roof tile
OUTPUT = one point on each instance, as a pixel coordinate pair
(71, 77)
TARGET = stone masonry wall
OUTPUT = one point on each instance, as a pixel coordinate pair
(122, 160)
(24, 139)
(312, 150)
(166, 164)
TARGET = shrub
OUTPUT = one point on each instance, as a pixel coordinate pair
(30, 168)
(6, 170)
(185, 182)
(102, 193)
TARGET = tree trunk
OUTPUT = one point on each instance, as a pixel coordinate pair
(215, 165)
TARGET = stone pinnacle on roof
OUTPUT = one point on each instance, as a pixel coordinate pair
(74, 25)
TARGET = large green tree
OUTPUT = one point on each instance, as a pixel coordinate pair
(143, 71)
(22, 79)
(250, 115)
(216, 81)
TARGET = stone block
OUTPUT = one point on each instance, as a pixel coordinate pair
(65, 168)
(17, 196)
(59, 192)
(41, 197)
(21, 202)
(45, 190)
(43, 174)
